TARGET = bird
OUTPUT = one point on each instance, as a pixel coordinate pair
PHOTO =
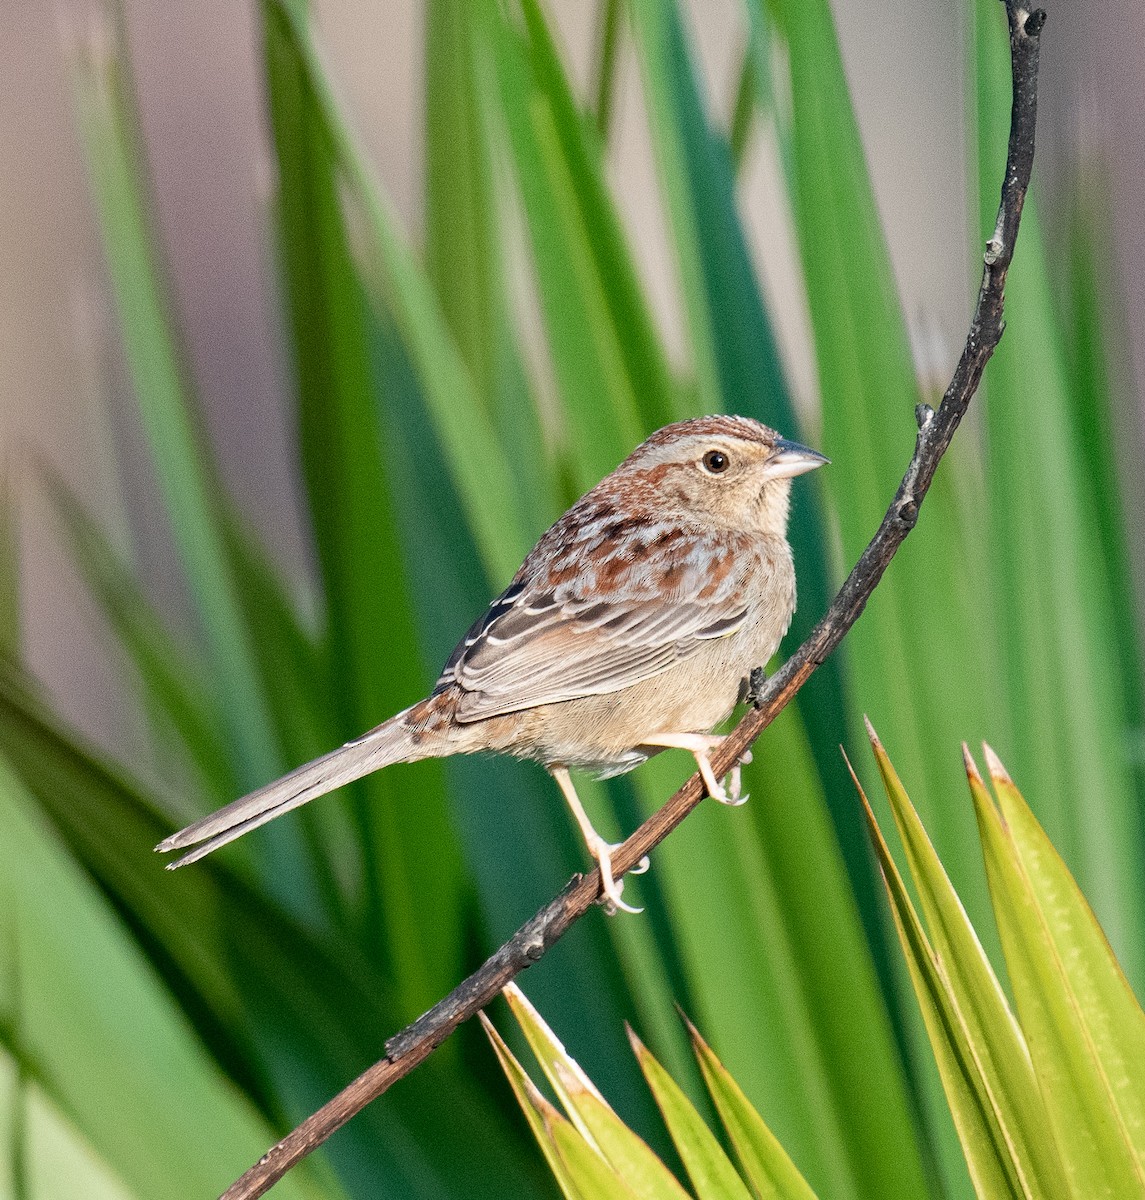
(631, 627)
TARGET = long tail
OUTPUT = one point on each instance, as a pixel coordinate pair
(391, 742)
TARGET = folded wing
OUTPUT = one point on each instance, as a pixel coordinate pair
(544, 644)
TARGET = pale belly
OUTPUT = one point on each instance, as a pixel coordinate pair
(607, 734)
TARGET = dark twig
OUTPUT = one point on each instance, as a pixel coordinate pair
(936, 428)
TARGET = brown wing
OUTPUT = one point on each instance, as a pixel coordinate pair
(629, 616)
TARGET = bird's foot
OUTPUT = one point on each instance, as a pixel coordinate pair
(700, 746)
(610, 887)
(730, 791)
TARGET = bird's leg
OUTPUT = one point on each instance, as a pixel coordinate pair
(600, 850)
(700, 746)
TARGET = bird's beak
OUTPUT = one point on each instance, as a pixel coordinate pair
(789, 459)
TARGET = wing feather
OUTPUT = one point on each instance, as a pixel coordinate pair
(546, 643)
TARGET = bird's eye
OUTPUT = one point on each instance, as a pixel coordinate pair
(715, 462)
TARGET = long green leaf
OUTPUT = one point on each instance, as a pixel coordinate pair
(709, 1168)
(1097, 1152)
(594, 1120)
(185, 471)
(372, 641)
(1060, 643)
(290, 1016)
(16, 1141)
(171, 683)
(481, 472)
(610, 367)
(102, 1037)
(581, 1166)
(167, 407)
(766, 1165)
(993, 1172)
(539, 1112)
(595, 1179)
(60, 1162)
(1100, 999)
(988, 1031)
(462, 256)
(465, 251)
(1109, 438)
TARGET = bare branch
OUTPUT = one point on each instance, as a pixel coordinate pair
(415, 1043)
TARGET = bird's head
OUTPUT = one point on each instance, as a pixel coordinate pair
(727, 470)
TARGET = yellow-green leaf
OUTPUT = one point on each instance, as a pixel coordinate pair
(983, 1142)
(594, 1178)
(1108, 1022)
(769, 1171)
(991, 1033)
(708, 1167)
(1084, 1117)
(595, 1121)
(541, 1116)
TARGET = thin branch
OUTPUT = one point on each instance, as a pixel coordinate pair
(415, 1043)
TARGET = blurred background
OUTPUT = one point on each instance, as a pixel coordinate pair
(201, 102)
(301, 354)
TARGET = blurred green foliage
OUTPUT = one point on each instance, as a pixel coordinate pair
(1047, 1093)
(168, 1027)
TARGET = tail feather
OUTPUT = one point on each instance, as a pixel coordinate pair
(389, 743)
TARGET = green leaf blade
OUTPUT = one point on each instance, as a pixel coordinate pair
(709, 1168)
(90, 1038)
(766, 1165)
(596, 1124)
(993, 1168)
(988, 1031)
(167, 407)
(369, 617)
(1112, 1020)
(1096, 1153)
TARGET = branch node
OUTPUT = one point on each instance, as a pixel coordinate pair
(1035, 22)
(994, 248)
(908, 513)
(534, 947)
(923, 415)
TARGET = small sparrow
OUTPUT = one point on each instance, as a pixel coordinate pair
(631, 627)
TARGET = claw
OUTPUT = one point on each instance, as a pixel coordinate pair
(715, 789)
(735, 782)
(699, 745)
(610, 888)
(641, 867)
